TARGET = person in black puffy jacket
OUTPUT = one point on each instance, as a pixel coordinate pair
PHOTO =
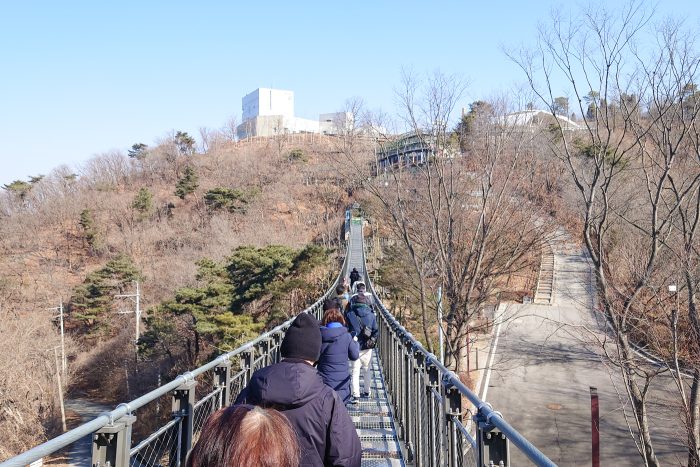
(337, 347)
(354, 276)
(293, 386)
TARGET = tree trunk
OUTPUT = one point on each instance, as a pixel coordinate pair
(694, 422)
(694, 408)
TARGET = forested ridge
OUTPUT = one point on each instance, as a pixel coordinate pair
(224, 241)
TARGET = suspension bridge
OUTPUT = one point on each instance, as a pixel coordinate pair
(418, 412)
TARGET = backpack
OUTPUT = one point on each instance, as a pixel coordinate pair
(365, 335)
(369, 341)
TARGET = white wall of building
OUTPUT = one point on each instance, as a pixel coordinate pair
(270, 112)
(265, 102)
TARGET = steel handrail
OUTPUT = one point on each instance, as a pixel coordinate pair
(108, 418)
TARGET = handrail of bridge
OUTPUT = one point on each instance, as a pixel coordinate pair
(115, 446)
(427, 401)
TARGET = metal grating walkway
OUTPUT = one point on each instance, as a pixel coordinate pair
(373, 416)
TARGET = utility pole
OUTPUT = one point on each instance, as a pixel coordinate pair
(137, 298)
(60, 390)
(63, 339)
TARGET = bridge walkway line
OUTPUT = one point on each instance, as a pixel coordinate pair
(373, 416)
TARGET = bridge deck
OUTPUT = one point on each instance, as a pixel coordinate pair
(373, 416)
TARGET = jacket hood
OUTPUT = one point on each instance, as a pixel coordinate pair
(332, 334)
(287, 384)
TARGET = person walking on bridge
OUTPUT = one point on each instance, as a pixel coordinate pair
(337, 348)
(342, 297)
(293, 386)
(354, 276)
(363, 326)
(361, 289)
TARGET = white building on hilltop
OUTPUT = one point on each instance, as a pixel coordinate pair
(270, 112)
(535, 118)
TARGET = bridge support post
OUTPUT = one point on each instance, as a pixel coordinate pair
(418, 372)
(492, 445)
(247, 363)
(433, 438)
(409, 393)
(453, 409)
(276, 343)
(265, 347)
(223, 381)
(111, 444)
(183, 406)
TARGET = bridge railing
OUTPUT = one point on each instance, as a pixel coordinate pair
(179, 407)
(427, 399)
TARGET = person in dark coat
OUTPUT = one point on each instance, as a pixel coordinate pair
(293, 386)
(359, 316)
(354, 276)
(342, 297)
(337, 347)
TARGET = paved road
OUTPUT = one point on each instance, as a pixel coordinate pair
(545, 363)
(80, 452)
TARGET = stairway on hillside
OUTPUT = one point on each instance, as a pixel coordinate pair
(544, 293)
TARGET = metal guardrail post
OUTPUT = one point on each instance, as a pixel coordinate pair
(223, 380)
(432, 382)
(408, 401)
(111, 443)
(492, 445)
(418, 378)
(183, 406)
(277, 342)
(247, 363)
(453, 408)
(265, 347)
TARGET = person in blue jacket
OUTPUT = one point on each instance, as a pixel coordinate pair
(362, 321)
(324, 429)
(337, 348)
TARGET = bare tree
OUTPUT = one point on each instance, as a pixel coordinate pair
(627, 168)
(459, 217)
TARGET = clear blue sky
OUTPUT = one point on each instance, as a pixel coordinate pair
(81, 78)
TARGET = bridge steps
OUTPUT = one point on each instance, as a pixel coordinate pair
(374, 421)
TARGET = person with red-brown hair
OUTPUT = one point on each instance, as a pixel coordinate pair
(245, 436)
(337, 348)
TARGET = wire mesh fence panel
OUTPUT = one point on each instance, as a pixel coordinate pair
(465, 444)
(238, 382)
(203, 408)
(259, 362)
(161, 448)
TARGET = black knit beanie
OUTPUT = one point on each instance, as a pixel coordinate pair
(303, 339)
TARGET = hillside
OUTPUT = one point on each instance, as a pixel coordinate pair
(59, 232)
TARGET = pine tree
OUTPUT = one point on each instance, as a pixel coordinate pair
(187, 184)
(234, 201)
(143, 201)
(92, 300)
(19, 188)
(138, 151)
(90, 232)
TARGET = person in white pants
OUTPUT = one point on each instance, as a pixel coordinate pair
(361, 364)
(362, 324)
